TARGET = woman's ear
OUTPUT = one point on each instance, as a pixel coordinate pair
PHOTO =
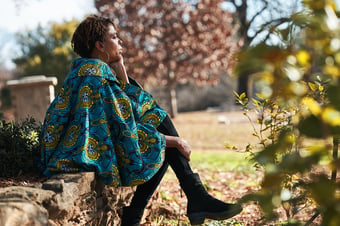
(99, 45)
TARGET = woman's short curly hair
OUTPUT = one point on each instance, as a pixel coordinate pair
(90, 30)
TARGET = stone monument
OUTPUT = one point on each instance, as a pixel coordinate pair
(31, 96)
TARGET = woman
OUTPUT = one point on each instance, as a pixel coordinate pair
(103, 121)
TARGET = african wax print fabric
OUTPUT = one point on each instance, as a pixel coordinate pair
(102, 124)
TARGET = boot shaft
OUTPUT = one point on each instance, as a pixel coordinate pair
(132, 216)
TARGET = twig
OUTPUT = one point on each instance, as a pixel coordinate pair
(335, 156)
(313, 218)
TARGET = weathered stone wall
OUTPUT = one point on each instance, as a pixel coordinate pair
(65, 199)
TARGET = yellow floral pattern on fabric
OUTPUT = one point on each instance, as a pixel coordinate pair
(66, 166)
(71, 136)
(98, 122)
(51, 138)
(115, 175)
(85, 98)
(122, 108)
(62, 100)
(146, 106)
(153, 166)
(137, 182)
(91, 149)
(151, 118)
(89, 70)
(141, 140)
(123, 158)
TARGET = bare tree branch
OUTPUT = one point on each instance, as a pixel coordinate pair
(270, 26)
(259, 13)
(256, 17)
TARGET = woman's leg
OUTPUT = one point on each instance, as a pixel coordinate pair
(144, 191)
(133, 213)
(174, 158)
(201, 204)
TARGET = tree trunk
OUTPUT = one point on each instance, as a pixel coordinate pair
(245, 85)
(172, 101)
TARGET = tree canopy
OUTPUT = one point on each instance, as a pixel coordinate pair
(46, 51)
(170, 42)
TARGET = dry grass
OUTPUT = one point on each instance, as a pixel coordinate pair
(210, 131)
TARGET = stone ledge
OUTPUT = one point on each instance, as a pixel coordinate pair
(65, 199)
(30, 81)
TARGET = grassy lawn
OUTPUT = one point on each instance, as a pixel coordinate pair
(214, 164)
(213, 130)
(221, 161)
(210, 132)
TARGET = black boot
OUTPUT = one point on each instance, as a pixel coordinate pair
(201, 205)
(132, 216)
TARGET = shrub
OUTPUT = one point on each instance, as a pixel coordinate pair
(19, 144)
(300, 77)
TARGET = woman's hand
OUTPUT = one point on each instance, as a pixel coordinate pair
(182, 145)
(119, 68)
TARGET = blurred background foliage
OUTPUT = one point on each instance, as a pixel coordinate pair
(46, 51)
(298, 108)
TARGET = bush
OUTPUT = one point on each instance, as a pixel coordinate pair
(299, 90)
(19, 144)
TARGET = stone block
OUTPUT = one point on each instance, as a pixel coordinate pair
(31, 96)
(64, 199)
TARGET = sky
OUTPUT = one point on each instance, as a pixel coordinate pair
(29, 14)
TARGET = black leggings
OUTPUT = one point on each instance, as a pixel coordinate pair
(173, 157)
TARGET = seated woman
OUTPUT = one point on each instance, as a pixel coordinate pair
(103, 121)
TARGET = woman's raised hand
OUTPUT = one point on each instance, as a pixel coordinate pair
(119, 68)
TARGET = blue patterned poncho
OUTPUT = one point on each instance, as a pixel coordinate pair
(101, 124)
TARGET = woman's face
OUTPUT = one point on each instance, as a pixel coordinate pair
(112, 45)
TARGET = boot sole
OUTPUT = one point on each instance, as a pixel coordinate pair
(199, 217)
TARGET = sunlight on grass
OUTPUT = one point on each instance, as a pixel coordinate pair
(221, 161)
(211, 163)
(205, 133)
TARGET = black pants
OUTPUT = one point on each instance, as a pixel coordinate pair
(173, 157)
